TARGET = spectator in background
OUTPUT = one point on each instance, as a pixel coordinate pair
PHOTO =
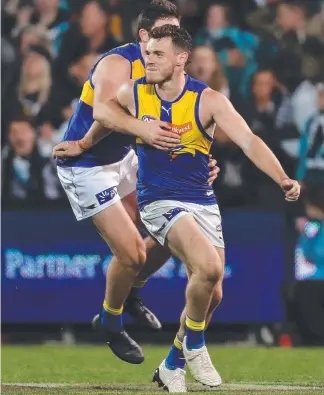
(309, 258)
(293, 15)
(34, 35)
(190, 17)
(116, 26)
(91, 34)
(295, 39)
(261, 113)
(234, 47)
(301, 92)
(17, 15)
(262, 18)
(95, 26)
(32, 94)
(25, 174)
(206, 67)
(54, 19)
(311, 153)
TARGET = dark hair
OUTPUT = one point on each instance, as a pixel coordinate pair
(228, 12)
(179, 36)
(103, 5)
(157, 9)
(19, 116)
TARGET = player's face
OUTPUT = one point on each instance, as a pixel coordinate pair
(161, 59)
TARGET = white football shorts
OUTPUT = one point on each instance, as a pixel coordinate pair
(91, 190)
(159, 217)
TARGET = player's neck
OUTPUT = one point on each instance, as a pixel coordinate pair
(170, 90)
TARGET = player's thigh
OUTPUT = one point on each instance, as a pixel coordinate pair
(90, 190)
(130, 204)
(120, 233)
(186, 240)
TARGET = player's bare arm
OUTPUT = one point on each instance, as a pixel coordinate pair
(215, 106)
(121, 117)
(107, 82)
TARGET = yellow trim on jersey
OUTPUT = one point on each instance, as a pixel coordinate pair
(87, 94)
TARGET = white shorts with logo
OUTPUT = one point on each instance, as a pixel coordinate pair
(159, 217)
(91, 190)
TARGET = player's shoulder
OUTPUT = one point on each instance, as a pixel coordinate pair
(195, 85)
(128, 51)
(211, 96)
(124, 54)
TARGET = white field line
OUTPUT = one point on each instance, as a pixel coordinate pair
(119, 387)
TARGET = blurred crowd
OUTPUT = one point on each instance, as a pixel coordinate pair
(267, 56)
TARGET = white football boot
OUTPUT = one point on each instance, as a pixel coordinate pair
(201, 366)
(171, 380)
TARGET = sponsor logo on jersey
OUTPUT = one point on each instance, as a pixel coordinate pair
(181, 129)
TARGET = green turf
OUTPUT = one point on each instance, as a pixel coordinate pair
(97, 366)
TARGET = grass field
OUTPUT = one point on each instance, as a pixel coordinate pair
(60, 370)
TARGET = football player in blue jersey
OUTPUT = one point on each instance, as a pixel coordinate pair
(177, 205)
(101, 182)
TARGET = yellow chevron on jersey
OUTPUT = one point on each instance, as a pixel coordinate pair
(182, 114)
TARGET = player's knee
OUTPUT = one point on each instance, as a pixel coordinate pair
(210, 271)
(134, 256)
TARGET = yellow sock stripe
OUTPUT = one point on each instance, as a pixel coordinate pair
(139, 284)
(111, 310)
(195, 325)
(177, 343)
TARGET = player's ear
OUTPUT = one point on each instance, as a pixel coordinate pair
(182, 59)
(144, 36)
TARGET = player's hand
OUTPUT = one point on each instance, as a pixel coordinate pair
(291, 189)
(158, 134)
(213, 174)
(67, 149)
